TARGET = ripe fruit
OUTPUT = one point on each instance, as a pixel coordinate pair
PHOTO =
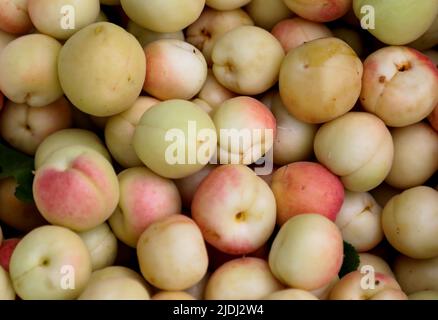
(102, 245)
(319, 10)
(144, 198)
(359, 221)
(43, 258)
(212, 25)
(266, 14)
(410, 222)
(115, 283)
(246, 130)
(417, 141)
(247, 60)
(235, 209)
(354, 286)
(67, 138)
(417, 17)
(25, 127)
(306, 187)
(242, 279)
(76, 187)
(294, 32)
(307, 252)
(416, 275)
(102, 87)
(357, 147)
(28, 70)
(14, 17)
(46, 15)
(175, 69)
(174, 15)
(172, 254)
(119, 132)
(175, 138)
(390, 86)
(320, 80)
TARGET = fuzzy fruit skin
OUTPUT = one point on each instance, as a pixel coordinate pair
(247, 60)
(25, 127)
(390, 85)
(235, 209)
(76, 187)
(359, 220)
(172, 254)
(299, 248)
(115, 283)
(14, 17)
(266, 14)
(67, 138)
(119, 132)
(6, 289)
(416, 275)
(379, 265)
(153, 146)
(410, 222)
(417, 17)
(144, 198)
(102, 245)
(37, 263)
(319, 10)
(175, 69)
(242, 279)
(226, 4)
(28, 70)
(350, 288)
(320, 80)
(45, 15)
(294, 32)
(306, 187)
(102, 87)
(244, 114)
(213, 24)
(146, 36)
(417, 141)
(358, 147)
(174, 15)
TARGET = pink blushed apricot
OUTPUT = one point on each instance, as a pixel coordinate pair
(306, 187)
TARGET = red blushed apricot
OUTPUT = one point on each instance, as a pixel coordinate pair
(319, 10)
(294, 32)
(1, 100)
(306, 187)
(76, 188)
(235, 209)
(14, 17)
(6, 249)
(144, 198)
(175, 69)
(433, 118)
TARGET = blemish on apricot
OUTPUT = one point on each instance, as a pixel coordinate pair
(382, 79)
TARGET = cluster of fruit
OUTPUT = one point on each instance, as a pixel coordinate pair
(218, 149)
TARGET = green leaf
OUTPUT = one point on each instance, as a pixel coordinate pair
(351, 260)
(19, 166)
